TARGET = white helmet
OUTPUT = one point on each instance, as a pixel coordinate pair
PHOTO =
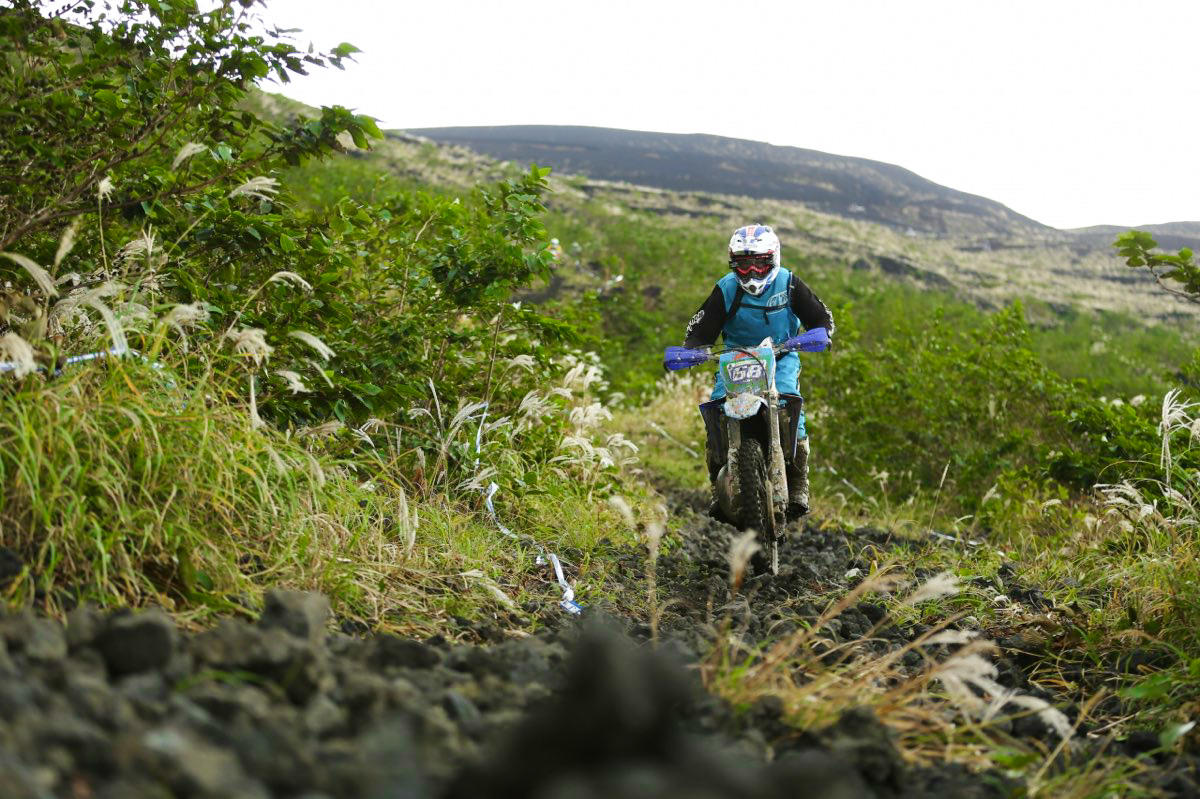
(754, 257)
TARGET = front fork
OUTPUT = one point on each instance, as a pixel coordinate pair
(728, 475)
(776, 466)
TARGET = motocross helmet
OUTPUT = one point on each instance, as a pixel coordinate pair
(754, 257)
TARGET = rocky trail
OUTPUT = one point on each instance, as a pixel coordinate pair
(127, 705)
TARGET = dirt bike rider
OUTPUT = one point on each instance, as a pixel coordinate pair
(757, 299)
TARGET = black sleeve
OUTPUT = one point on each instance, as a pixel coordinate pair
(707, 323)
(809, 308)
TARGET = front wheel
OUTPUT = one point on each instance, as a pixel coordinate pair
(755, 511)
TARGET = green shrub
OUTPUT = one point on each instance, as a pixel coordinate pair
(328, 382)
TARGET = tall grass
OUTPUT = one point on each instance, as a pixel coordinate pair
(130, 482)
(125, 483)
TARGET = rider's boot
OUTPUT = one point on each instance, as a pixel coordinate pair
(714, 455)
(714, 506)
(797, 478)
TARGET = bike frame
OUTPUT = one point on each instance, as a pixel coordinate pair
(750, 394)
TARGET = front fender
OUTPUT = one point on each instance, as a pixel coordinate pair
(743, 406)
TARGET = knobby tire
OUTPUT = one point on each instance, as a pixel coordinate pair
(755, 500)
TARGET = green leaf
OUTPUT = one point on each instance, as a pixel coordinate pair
(369, 125)
(344, 49)
(106, 97)
(1010, 758)
(1136, 238)
(1156, 686)
(1174, 732)
(286, 243)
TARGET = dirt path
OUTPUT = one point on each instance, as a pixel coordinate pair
(126, 705)
(1036, 654)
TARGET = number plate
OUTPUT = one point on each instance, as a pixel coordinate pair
(746, 373)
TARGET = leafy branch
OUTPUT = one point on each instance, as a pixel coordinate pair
(116, 87)
(1179, 268)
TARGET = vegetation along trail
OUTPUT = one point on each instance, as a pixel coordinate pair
(299, 416)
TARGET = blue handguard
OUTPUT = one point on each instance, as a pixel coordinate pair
(815, 340)
(676, 358)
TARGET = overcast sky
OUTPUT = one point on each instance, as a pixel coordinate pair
(1071, 112)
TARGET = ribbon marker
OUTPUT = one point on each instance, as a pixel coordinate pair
(567, 602)
(491, 491)
(116, 352)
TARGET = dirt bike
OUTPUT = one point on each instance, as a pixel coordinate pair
(752, 487)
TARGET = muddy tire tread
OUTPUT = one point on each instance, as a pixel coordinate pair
(752, 472)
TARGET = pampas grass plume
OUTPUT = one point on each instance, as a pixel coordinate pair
(944, 584)
(39, 275)
(16, 350)
(621, 506)
(67, 241)
(320, 347)
(186, 152)
(295, 384)
(290, 277)
(251, 342)
(186, 315)
(261, 187)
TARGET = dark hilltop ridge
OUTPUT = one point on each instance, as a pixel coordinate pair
(1170, 236)
(834, 184)
(842, 185)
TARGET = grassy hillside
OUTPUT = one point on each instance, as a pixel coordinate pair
(652, 253)
(928, 383)
(1050, 273)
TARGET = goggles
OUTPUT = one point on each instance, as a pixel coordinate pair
(757, 265)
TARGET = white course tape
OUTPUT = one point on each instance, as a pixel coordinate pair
(12, 366)
(91, 356)
(487, 500)
(116, 352)
(567, 602)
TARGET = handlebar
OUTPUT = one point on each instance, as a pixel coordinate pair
(676, 358)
